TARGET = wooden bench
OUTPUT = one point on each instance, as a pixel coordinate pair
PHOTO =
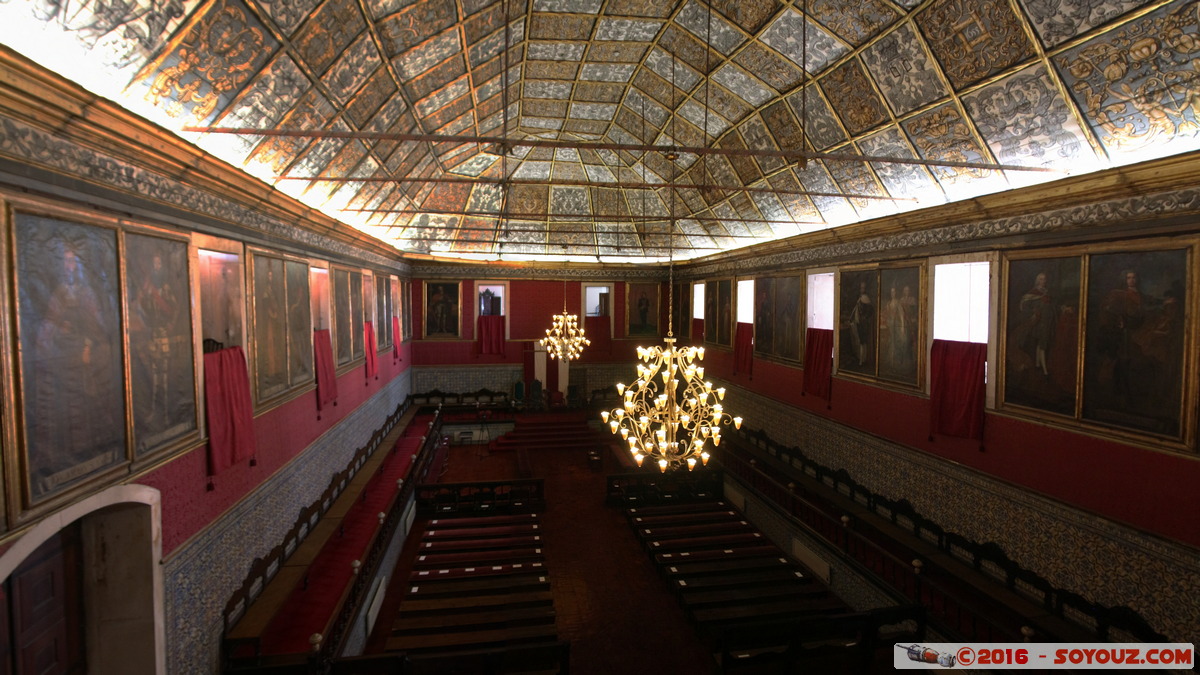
(484, 557)
(717, 553)
(700, 568)
(511, 583)
(671, 519)
(486, 618)
(488, 637)
(754, 577)
(681, 531)
(448, 546)
(419, 576)
(453, 604)
(448, 533)
(685, 507)
(699, 543)
(483, 521)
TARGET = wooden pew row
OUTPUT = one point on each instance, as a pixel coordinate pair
(670, 519)
(420, 576)
(483, 521)
(476, 586)
(451, 546)
(445, 534)
(493, 593)
(701, 529)
(484, 557)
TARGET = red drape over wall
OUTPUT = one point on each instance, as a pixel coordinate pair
(396, 338)
(370, 348)
(326, 371)
(490, 335)
(957, 390)
(743, 349)
(598, 329)
(229, 410)
(818, 362)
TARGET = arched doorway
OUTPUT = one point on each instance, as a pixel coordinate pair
(102, 555)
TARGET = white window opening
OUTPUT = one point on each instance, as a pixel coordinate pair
(597, 300)
(745, 301)
(491, 299)
(820, 301)
(698, 301)
(961, 293)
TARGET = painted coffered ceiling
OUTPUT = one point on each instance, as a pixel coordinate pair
(781, 117)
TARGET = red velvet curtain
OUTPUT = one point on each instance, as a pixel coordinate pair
(326, 373)
(490, 335)
(598, 329)
(228, 409)
(697, 331)
(957, 389)
(372, 355)
(396, 338)
(743, 349)
(818, 362)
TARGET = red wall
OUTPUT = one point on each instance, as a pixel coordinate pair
(281, 434)
(1148, 489)
(530, 307)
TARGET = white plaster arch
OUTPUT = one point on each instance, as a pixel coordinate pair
(123, 584)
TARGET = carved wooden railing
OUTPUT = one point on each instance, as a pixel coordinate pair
(956, 608)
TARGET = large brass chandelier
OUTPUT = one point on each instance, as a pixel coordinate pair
(670, 413)
(565, 339)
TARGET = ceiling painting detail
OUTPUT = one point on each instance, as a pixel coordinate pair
(418, 122)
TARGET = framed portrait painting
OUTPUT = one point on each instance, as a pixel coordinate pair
(162, 374)
(347, 315)
(764, 316)
(641, 309)
(442, 309)
(299, 323)
(71, 358)
(1041, 333)
(270, 326)
(718, 312)
(1134, 346)
(899, 325)
(858, 303)
(787, 336)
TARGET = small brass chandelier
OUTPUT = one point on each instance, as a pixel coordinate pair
(565, 339)
(670, 412)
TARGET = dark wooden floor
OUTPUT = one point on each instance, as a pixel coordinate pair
(610, 603)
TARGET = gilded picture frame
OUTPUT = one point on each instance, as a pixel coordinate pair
(1041, 332)
(443, 310)
(642, 313)
(71, 370)
(1135, 342)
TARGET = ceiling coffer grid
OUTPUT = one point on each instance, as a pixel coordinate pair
(905, 104)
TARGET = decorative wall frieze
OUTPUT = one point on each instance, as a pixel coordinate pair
(596, 273)
(28, 145)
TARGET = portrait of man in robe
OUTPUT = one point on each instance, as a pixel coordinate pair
(71, 355)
